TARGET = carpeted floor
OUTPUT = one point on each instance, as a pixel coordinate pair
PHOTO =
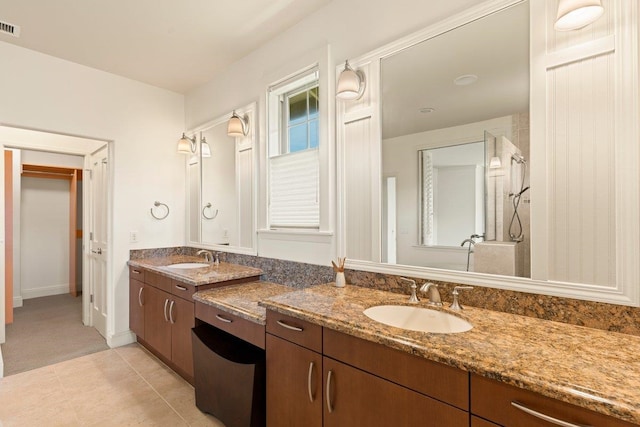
(48, 330)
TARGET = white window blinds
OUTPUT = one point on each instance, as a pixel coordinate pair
(294, 187)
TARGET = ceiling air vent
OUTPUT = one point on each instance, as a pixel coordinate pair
(12, 30)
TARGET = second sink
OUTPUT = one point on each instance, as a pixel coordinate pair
(418, 319)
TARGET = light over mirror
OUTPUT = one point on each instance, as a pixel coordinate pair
(455, 148)
(221, 186)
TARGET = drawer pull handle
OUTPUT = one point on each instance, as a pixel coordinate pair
(545, 417)
(140, 296)
(329, 405)
(171, 319)
(166, 301)
(136, 271)
(182, 288)
(223, 319)
(310, 376)
(292, 328)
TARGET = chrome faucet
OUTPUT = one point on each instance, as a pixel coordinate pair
(431, 289)
(206, 254)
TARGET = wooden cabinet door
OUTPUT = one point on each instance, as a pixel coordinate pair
(136, 307)
(157, 329)
(181, 317)
(357, 398)
(294, 385)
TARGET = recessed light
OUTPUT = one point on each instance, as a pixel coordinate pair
(427, 110)
(465, 80)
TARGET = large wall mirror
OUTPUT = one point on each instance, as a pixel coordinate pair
(221, 193)
(455, 146)
(484, 151)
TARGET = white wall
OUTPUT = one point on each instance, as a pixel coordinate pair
(144, 123)
(350, 28)
(44, 237)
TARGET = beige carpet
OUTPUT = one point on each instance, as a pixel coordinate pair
(48, 330)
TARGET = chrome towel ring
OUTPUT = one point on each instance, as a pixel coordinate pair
(158, 204)
(204, 209)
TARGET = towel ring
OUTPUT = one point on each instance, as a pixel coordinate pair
(157, 204)
(208, 206)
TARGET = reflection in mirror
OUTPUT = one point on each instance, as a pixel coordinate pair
(455, 148)
(221, 186)
(219, 204)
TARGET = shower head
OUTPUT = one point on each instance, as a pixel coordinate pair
(518, 158)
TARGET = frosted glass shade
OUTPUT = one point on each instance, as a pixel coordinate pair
(575, 14)
(184, 145)
(350, 84)
(235, 127)
(205, 150)
(495, 163)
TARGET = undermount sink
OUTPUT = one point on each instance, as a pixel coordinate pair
(187, 265)
(418, 319)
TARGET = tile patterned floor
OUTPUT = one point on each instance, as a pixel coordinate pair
(125, 386)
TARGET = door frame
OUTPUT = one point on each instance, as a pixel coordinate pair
(64, 144)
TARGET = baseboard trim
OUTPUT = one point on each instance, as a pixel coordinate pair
(45, 291)
(121, 338)
(17, 302)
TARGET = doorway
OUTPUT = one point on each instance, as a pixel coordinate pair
(87, 283)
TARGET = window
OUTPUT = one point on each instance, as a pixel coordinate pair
(293, 152)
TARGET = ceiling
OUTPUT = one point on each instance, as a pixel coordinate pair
(495, 48)
(176, 45)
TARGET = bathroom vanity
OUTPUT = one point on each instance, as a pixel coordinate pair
(508, 370)
(161, 307)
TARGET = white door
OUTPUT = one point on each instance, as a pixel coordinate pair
(98, 240)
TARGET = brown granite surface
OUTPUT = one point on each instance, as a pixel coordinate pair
(586, 367)
(242, 300)
(195, 276)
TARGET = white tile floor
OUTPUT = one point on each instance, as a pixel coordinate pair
(124, 386)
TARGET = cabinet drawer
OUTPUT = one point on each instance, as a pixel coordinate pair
(479, 422)
(136, 273)
(445, 383)
(235, 325)
(182, 290)
(492, 400)
(160, 282)
(295, 330)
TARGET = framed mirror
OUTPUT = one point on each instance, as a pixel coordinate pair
(452, 107)
(579, 236)
(221, 179)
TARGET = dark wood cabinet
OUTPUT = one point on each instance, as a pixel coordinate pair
(479, 422)
(157, 331)
(182, 320)
(136, 306)
(355, 383)
(510, 406)
(358, 398)
(294, 384)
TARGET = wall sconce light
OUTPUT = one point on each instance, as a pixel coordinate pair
(575, 14)
(495, 163)
(205, 150)
(187, 145)
(237, 125)
(351, 83)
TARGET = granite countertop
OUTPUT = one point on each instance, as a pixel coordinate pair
(242, 300)
(590, 368)
(195, 276)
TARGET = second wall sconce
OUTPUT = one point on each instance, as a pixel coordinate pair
(237, 125)
(575, 14)
(187, 145)
(205, 149)
(351, 83)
